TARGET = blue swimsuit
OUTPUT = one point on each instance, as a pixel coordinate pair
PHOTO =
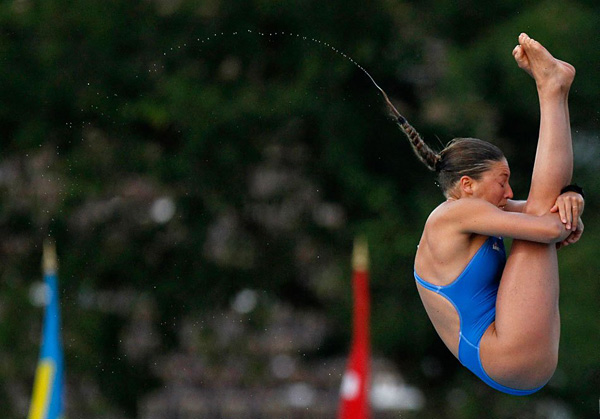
(473, 295)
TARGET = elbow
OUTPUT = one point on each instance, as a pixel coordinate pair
(550, 229)
(556, 231)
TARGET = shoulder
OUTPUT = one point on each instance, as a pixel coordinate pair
(465, 216)
(445, 247)
(459, 209)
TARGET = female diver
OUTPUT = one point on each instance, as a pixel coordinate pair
(500, 317)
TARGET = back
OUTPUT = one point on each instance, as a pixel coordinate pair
(442, 255)
(473, 292)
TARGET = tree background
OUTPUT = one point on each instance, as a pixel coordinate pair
(193, 156)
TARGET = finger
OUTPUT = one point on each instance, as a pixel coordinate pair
(575, 237)
(575, 218)
(562, 211)
(577, 210)
(554, 208)
(567, 213)
(575, 213)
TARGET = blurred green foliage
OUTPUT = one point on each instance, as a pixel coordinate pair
(107, 107)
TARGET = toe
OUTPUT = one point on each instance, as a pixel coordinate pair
(523, 38)
(518, 52)
(519, 55)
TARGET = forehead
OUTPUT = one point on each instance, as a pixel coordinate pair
(500, 168)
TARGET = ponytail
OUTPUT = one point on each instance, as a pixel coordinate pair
(461, 157)
(429, 157)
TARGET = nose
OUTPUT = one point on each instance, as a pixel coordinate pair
(509, 192)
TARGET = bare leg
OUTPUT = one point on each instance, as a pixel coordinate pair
(521, 349)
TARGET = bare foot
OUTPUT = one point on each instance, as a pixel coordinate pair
(547, 71)
(521, 59)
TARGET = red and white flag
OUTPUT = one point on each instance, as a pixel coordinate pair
(354, 397)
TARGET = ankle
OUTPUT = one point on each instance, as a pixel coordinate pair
(552, 89)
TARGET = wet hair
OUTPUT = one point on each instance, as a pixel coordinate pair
(461, 156)
(464, 157)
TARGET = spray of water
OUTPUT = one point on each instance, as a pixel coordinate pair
(413, 136)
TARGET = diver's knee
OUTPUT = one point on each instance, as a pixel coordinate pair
(530, 364)
(541, 365)
(548, 364)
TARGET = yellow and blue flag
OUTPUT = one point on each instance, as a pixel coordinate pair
(47, 399)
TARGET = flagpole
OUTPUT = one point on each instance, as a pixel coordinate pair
(46, 401)
(354, 398)
(49, 259)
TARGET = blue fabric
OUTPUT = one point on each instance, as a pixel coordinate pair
(473, 295)
(47, 400)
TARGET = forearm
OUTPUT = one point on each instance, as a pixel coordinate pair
(546, 228)
(488, 220)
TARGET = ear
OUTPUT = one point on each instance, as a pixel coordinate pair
(466, 185)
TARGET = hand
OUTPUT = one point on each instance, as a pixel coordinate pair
(573, 237)
(569, 207)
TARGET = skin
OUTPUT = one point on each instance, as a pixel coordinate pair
(520, 348)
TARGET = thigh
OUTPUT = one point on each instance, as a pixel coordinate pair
(528, 292)
(521, 347)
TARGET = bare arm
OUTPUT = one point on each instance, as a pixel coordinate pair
(569, 205)
(477, 216)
